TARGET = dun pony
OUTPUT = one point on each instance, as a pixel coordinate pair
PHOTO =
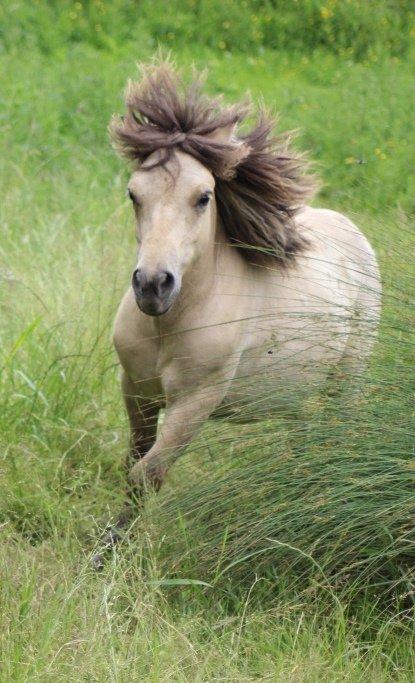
(214, 320)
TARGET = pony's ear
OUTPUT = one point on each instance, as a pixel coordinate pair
(224, 134)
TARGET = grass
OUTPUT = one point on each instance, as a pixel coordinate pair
(66, 252)
(121, 628)
(362, 30)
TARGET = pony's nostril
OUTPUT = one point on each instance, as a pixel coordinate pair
(165, 282)
(160, 285)
(136, 280)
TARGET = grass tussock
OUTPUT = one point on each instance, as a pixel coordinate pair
(281, 550)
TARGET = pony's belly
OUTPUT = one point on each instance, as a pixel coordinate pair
(275, 377)
(262, 391)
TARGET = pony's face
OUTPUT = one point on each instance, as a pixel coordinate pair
(174, 208)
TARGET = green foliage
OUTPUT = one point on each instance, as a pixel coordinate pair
(328, 509)
(361, 29)
(336, 502)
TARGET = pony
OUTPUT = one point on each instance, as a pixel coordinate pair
(244, 298)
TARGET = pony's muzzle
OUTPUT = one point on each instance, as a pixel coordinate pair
(154, 293)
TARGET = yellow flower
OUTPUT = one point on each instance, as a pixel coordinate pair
(326, 12)
(350, 160)
(379, 153)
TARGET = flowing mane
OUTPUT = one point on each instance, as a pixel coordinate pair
(260, 181)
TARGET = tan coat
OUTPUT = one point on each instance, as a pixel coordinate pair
(236, 334)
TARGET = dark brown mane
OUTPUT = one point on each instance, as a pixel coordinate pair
(260, 182)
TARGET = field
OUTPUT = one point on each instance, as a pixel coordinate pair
(317, 584)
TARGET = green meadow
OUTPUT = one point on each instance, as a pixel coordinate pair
(272, 554)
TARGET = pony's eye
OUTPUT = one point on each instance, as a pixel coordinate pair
(203, 200)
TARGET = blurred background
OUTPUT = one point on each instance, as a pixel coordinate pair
(266, 557)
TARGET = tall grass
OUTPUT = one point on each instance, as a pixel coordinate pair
(355, 29)
(290, 530)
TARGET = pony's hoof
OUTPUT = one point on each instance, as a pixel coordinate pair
(98, 562)
(112, 538)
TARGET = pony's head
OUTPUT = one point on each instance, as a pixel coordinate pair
(191, 168)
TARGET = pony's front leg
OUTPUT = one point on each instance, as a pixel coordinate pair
(185, 413)
(184, 416)
(142, 416)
